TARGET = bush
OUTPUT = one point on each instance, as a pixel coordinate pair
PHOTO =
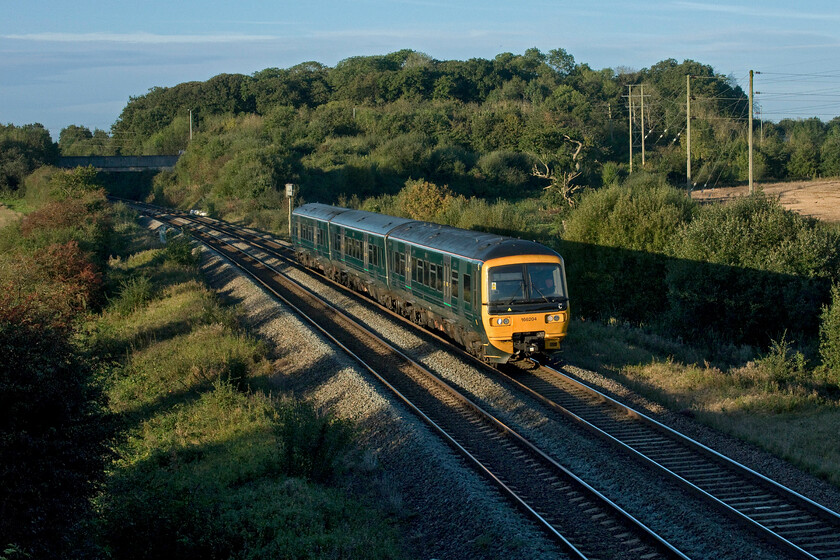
(830, 336)
(53, 434)
(748, 271)
(179, 249)
(614, 244)
(643, 214)
(314, 445)
(422, 200)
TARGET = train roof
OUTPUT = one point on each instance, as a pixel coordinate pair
(370, 222)
(319, 211)
(469, 244)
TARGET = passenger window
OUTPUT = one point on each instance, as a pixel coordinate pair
(468, 289)
(454, 284)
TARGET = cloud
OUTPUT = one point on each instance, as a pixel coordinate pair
(143, 38)
(756, 12)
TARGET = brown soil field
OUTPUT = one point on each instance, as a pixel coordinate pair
(818, 198)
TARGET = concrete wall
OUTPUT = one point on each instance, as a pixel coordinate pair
(119, 163)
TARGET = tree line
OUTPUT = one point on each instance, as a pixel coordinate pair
(481, 126)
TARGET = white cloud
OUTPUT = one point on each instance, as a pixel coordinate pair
(145, 38)
(756, 12)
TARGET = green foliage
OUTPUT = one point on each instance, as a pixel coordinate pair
(207, 466)
(179, 249)
(52, 436)
(421, 200)
(170, 140)
(505, 169)
(781, 366)
(134, 293)
(750, 270)
(80, 141)
(314, 445)
(53, 430)
(74, 183)
(830, 336)
(22, 150)
(757, 232)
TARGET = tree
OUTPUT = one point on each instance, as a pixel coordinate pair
(22, 150)
(422, 200)
(561, 61)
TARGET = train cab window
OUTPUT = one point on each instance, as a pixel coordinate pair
(545, 281)
(528, 287)
(506, 284)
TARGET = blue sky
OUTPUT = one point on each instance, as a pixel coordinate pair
(64, 63)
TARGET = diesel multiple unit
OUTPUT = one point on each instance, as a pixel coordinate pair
(500, 298)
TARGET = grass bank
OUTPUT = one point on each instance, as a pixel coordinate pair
(205, 465)
(775, 400)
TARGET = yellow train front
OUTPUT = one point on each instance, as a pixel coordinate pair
(525, 305)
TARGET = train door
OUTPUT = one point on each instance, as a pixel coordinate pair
(364, 255)
(454, 276)
(468, 280)
(446, 274)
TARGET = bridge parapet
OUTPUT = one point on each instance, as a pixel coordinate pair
(120, 163)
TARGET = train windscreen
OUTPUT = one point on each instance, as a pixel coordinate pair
(526, 287)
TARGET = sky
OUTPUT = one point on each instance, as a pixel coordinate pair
(78, 63)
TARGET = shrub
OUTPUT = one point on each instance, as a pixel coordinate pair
(512, 169)
(134, 293)
(748, 271)
(422, 200)
(614, 244)
(179, 249)
(643, 214)
(781, 366)
(830, 336)
(52, 434)
(313, 444)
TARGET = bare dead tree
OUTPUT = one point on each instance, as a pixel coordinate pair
(562, 181)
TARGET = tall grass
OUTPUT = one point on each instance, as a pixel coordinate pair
(206, 464)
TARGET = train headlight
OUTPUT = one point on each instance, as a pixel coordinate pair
(500, 321)
(558, 318)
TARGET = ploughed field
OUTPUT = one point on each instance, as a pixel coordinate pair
(818, 198)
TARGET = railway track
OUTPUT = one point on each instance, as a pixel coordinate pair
(585, 522)
(803, 528)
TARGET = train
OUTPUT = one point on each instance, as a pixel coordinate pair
(500, 298)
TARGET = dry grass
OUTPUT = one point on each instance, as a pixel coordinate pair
(818, 198)
(773, 401)
(7, 216)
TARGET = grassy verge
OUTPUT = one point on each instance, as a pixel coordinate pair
(205, 464)
(773, 401)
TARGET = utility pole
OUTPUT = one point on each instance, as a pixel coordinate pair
(752, 188)
(190, 125)
(688, 131)
(642, 88)
(630, 119)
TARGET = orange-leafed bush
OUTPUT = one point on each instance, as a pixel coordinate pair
(68, 268)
